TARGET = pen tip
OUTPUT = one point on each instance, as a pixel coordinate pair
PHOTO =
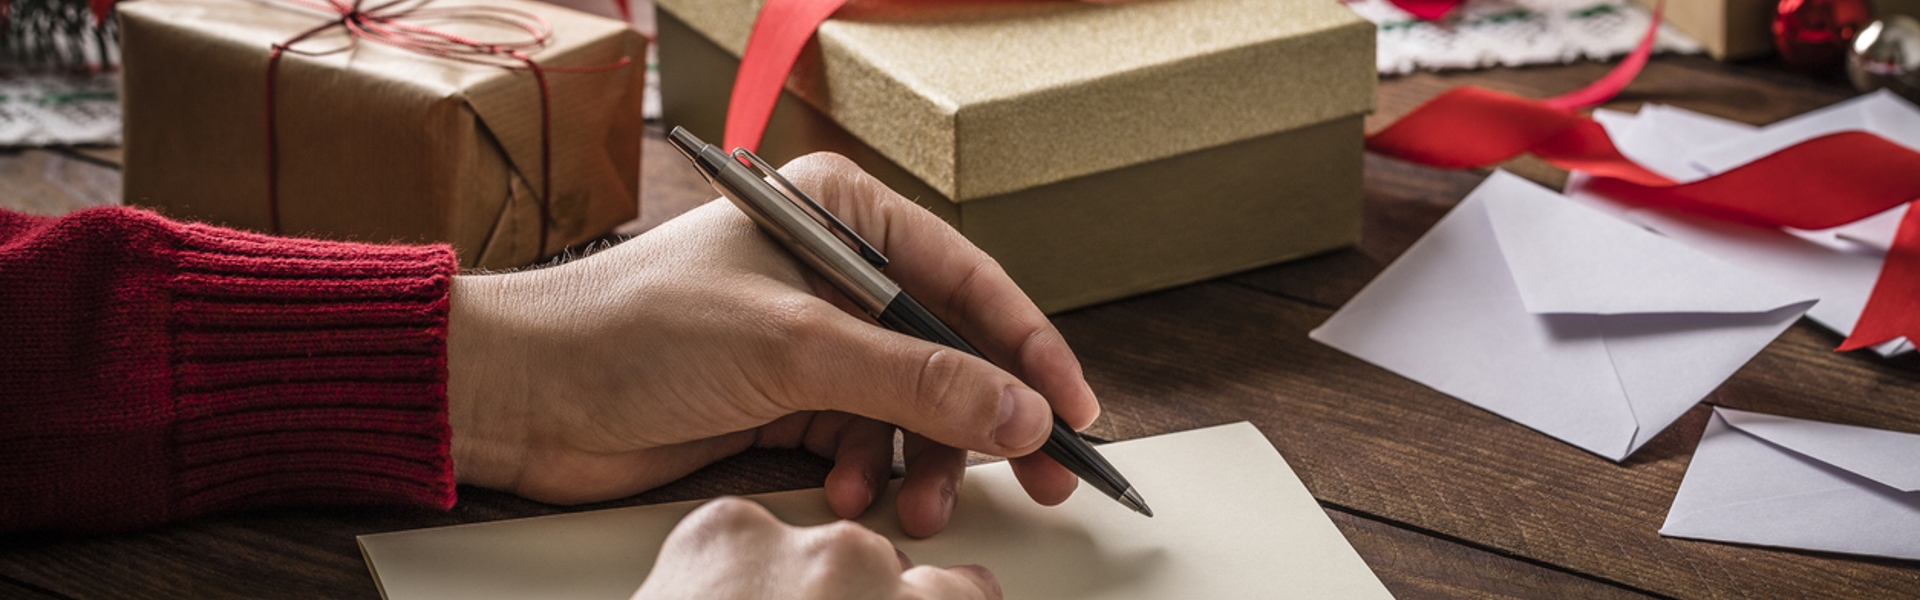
(1133, 500)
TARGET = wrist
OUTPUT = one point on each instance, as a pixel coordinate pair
(486, 434)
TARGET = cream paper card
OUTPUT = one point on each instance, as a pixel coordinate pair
(1232, 521)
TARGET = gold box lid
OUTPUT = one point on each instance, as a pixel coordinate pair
(981, 99)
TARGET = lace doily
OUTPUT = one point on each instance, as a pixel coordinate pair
(1488, 33)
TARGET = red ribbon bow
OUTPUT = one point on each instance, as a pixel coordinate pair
(388, 24)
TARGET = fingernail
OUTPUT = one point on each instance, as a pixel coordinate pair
(905, 563)
(948, 495)
(866, 491)
(1018, 427)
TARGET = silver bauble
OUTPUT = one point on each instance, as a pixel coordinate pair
(1886, 54)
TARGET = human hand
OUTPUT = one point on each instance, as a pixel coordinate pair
(635, 366)
(733, 549)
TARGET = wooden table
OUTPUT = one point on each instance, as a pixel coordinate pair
(1441, 498)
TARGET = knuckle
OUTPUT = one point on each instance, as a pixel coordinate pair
(804, 341)
(828, 161)
(729, 513)
(845, 544)
(940, 383)
(970, 293)
(844, 534)
(821, 172)
(724, 522)
(800, 318)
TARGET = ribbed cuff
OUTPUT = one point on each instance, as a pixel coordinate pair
(308, 373)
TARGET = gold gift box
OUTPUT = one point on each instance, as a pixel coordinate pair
(1096, 150)
(376, 143)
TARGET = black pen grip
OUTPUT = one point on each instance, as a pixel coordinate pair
(906, 315)
(1064, 445)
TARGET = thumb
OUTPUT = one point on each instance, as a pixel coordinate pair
(945, 394)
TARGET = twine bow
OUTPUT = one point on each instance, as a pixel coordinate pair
(400, 23)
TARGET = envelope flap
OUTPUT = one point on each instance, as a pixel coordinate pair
(1567, 258)
(1892, 117)
(1883, 456)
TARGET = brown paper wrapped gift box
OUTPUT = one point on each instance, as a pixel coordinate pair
(378, 143)
(1095, 150)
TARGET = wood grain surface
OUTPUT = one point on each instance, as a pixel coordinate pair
(1442, 499)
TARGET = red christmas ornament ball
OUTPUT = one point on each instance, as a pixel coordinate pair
(1812, 35)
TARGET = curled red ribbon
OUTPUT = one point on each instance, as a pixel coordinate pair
(1817, 184)
(780, 32)
(387, 23)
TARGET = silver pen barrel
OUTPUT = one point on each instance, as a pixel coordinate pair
(800, 232)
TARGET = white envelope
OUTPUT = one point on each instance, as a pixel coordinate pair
(1882, 113)
(1839, 266)
(1561, 318)
(1662, 138)
(1775, 481)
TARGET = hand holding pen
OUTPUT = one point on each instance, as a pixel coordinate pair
(627, 369)
(834, 252)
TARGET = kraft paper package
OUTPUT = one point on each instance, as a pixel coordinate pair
(377, 143)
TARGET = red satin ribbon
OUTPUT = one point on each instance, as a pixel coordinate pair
(388, 24)
(781, 31)
(1427, 10)
(1817, 184)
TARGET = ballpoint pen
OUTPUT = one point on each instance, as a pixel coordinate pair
(820, 240)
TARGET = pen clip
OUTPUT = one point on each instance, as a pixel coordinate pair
(820, 213)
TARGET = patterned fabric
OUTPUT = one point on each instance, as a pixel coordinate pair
(1488, 33)
(60, 110)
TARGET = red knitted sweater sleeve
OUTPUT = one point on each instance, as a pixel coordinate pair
(152, 371)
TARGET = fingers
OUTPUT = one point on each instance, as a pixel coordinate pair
(955, 279)
(861, 449)
(734, 548)
(833, 361)
(1045, 480)
(968, 290)
(862, 462)
(727, 526)
(857, 561)
(932, 485)
(966, 581)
